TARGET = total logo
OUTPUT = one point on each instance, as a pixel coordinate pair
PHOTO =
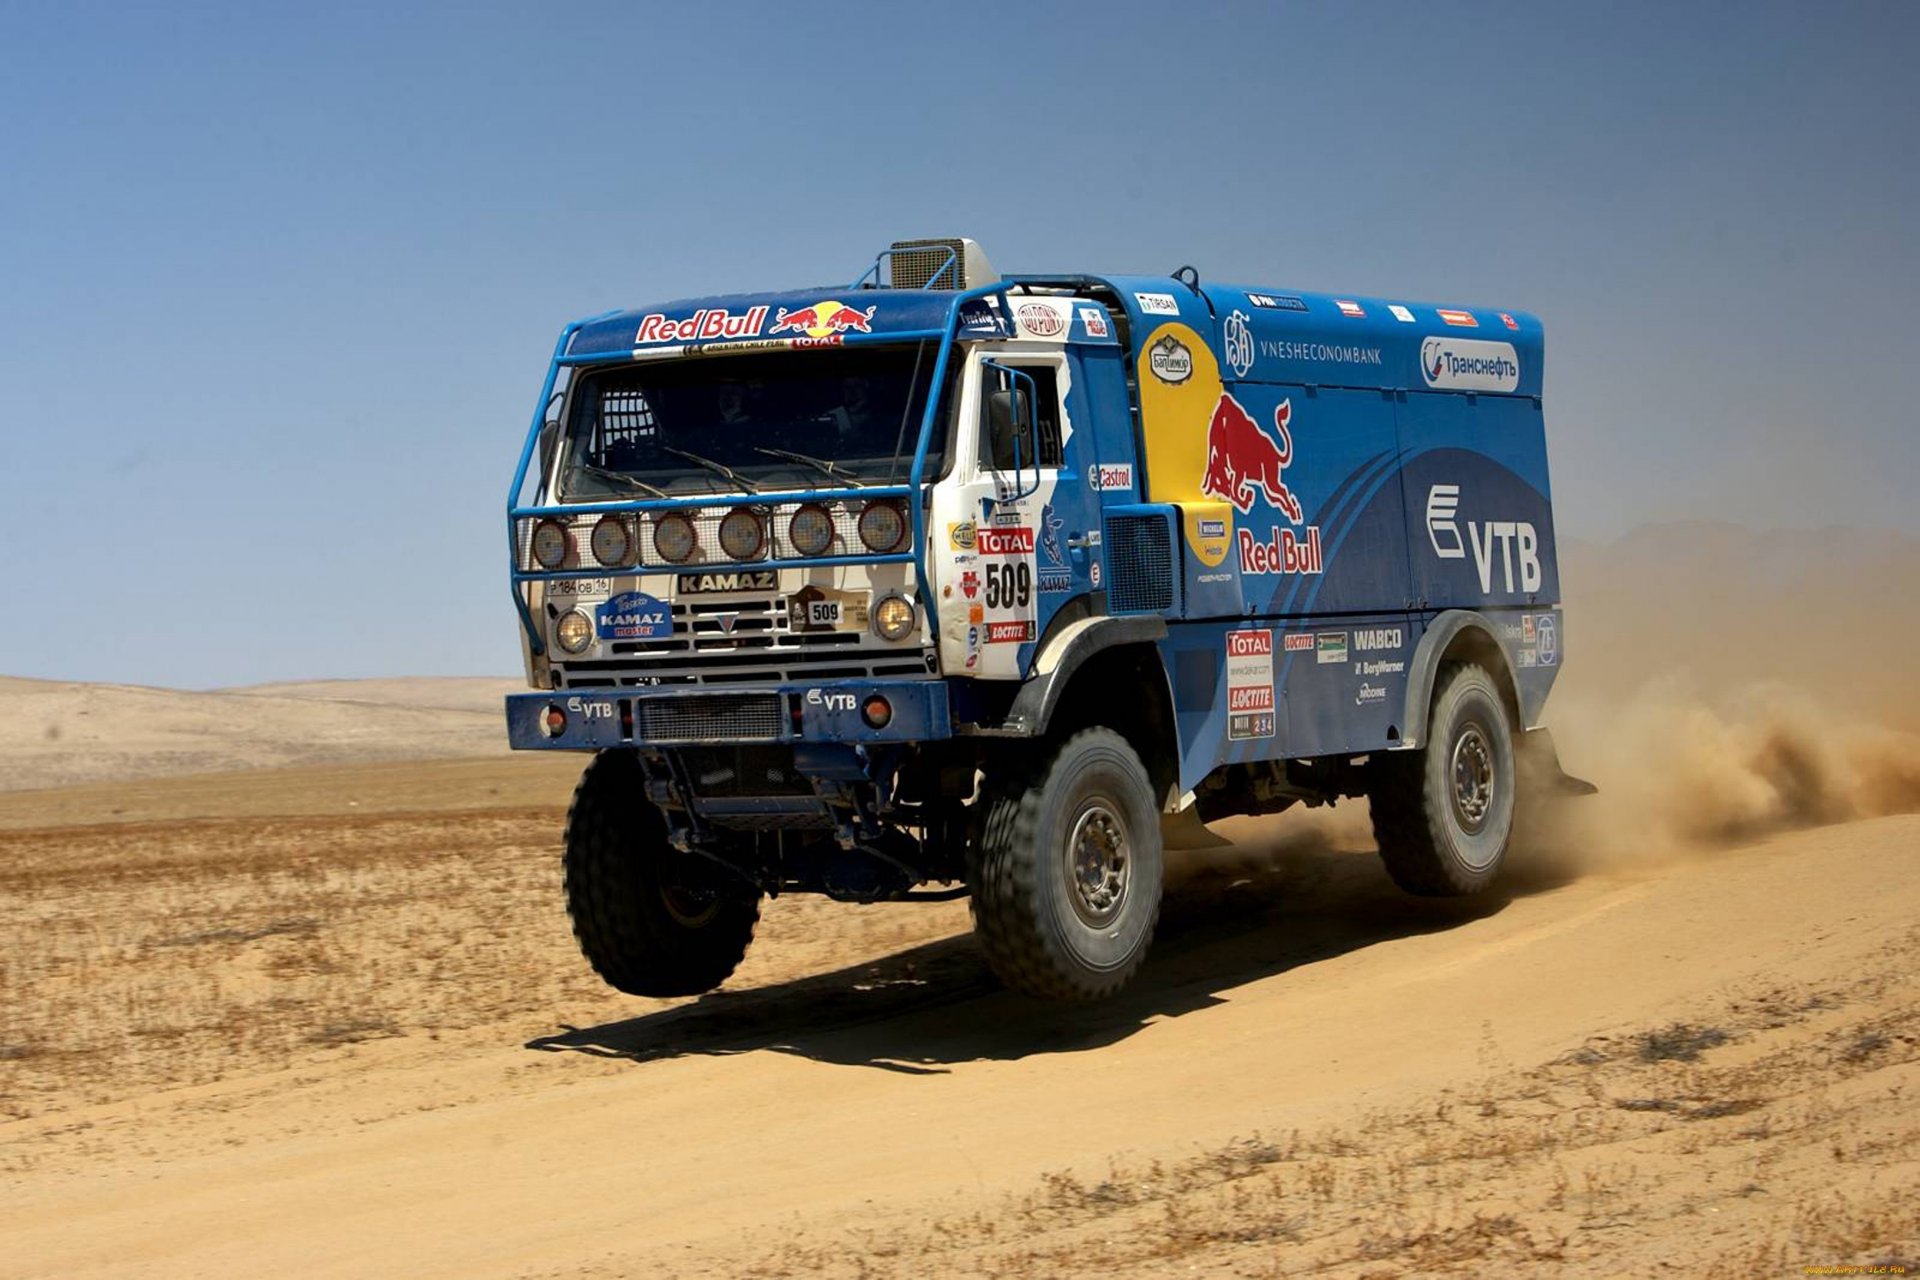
(1518, 542)
(1469, 364)
(823, 320)
(1245, 464)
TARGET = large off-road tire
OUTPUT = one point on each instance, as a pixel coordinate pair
(651, 921)
(1443, 815)
(1066, 871)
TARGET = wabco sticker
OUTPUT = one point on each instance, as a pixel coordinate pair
(823, 320)
(1095, 318)
(1010, 632)
(1040, 320)
(633, 615)
(1108, 476)
(1239, 342)
(1459, 319)
(1400, 313)
(962, 535)
(1249, 684)
(1330, 647)
(998, 541)
(1157, 304)
(816, 608)
(704, 325)
(1350, 308)
(695, 584)
(1370, 638)
(1469, 364)
(1277, 302)
(1170, 361)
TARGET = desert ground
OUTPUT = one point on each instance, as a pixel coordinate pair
(286, 988)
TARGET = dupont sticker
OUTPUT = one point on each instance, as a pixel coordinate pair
(1040, 320)
(633, 615)
(1249, 684)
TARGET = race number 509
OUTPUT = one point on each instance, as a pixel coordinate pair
(1009, 586)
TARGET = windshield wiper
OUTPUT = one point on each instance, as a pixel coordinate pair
(833, 469)
(718, 468)
(616, 477)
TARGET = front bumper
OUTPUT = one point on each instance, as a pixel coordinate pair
(830, 711)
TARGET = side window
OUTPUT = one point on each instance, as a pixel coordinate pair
(1002, 409)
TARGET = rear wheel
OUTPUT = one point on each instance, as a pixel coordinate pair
(650, 920)
(1066, 872)
(1443, 815)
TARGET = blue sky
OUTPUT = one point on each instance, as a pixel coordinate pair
(278, 284)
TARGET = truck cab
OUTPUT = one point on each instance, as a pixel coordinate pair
(944, 584)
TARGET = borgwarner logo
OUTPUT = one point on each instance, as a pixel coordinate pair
(1467, 364)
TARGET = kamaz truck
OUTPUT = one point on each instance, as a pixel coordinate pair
(944, 583)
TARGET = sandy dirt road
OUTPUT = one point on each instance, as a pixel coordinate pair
(339, 1031)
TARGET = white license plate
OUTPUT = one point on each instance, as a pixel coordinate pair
(823, 613)
(588, 587)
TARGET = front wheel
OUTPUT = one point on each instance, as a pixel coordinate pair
(650, 920)
(1066, 872)
(1443, 815)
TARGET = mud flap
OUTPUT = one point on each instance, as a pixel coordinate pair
(1184, 830)
(1540, 771)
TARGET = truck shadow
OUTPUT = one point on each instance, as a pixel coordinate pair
(1228, 919)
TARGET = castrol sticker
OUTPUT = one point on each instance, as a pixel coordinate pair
(1250, 684)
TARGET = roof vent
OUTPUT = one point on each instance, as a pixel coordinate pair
(956, 263)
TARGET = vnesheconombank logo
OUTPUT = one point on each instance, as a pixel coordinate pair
(1469, 365)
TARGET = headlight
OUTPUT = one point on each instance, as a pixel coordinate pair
(742, 535)
(574, 631)
(551, 542)
(811, 530)
(673, 538)
(612, 541)
(893, 617)
(883, 527)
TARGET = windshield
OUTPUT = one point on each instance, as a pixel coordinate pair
(843, 417)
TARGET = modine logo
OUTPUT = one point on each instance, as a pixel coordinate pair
(1170, 360)
(1518, 542)
(1467, 364)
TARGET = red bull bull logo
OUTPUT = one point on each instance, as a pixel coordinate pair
(823, 320)
(1245, 463)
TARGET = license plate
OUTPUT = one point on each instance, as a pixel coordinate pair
(823, 613)
(589, 587)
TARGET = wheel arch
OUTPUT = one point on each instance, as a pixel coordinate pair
(1073, 682)
(1461, 635)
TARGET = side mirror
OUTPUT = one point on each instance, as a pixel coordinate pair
(1012, 439)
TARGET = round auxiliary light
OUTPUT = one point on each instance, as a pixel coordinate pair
(811, 530)
(673, 538)
(893, 618)
(877, 711)
(612, 541)
(551, 542)
(553, 722)
(883, 527)
(742, 534)
(574, 631)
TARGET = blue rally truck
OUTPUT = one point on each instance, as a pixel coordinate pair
(944, 584)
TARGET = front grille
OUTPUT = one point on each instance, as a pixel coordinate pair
(715, 718)
(1139, 564)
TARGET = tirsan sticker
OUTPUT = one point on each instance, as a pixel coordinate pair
(1400, 313)
(1330, 647)
(1040, 320)
(996, 541)
(1277, 302)
(633, 615)
(702, 326)
(1170, 361)
(1157, 304)
(1108, 476)
(1459, 319)
(1468, 364)
(1010, 632)
(1238, 338)
(1095, 318)
(962, 536)
(823, 320)
(1249, 684)
(1299, 641)
(1350, 308)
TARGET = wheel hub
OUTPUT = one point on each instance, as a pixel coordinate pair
(1472, 770)
(1098, 864)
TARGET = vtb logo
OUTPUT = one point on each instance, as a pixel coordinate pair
(1518, 542)
(1243, 460)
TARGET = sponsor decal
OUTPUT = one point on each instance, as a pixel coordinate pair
(964, 535)
(1400, 313)
(1053, 583)
(1040, 320)
(1277, 302)
(1518, 541)
(1157, 304)
(1526, 628)
(1369, 638)
(1284, 552)
(1369, 693)
(1328, 352)
(1350, 308)
(1002, 541)
(1095, 318)
(1380, 668)
(1298, 641)
(1050, 537)
(1459, 319)
(1469, 365)
(704, 325)
(976, 614)
(1250, 684)
(816, 608)
(1093, 574)
(1509, 321)
(1010, 632)
(823, 320)
(1108, 476)
(1170, 361)
(1330, 647)
(1239, 343)
(970, 584)
(1213, 528)
(1243, 460)
(697, 584)
(1549, 628)
(633, 615)
(1527, 658)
